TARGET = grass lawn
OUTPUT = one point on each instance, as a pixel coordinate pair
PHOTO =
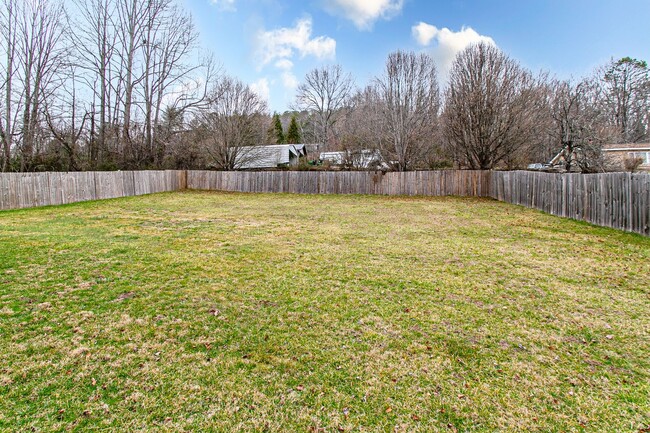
(200, 311)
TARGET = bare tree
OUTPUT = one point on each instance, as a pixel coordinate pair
(361, 127)
(234, 121)
(490, 106)
(132, 16)
(34, 51)
(409, 102)
(132, 62)
(324, 93)
(625, 87)
(579, 127)
(170, 39)
(65, 122)
(9, 44)
(95, 39)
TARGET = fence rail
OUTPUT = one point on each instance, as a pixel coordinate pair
(618, 200)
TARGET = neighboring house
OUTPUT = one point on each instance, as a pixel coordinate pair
(361, 159)
(270, 156)
(333, 158)
(620, 155)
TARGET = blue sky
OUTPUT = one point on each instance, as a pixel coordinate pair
(271, 44)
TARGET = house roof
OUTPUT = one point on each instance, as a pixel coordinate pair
(267, 156)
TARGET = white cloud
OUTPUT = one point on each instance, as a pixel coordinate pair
(364, 13)
(283, 43)
(284, 64)
(280, 46)
(447, 43)
(261, 87)
(289, 80)
(423, 33)
(225, 5)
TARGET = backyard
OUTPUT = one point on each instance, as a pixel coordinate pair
(204, 311)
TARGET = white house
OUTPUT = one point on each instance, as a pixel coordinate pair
(269, 156)
(361, 159)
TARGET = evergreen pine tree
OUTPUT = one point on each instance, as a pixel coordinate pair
(270, 132)
(279, 133)
(293, 134)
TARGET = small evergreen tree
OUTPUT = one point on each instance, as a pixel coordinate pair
(293, 134)
(279, 132)
(270, 132)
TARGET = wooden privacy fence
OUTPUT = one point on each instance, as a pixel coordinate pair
(431, 183)
(21, 190)
(618, 200)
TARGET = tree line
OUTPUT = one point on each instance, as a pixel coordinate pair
(492, 112)
(123, 84)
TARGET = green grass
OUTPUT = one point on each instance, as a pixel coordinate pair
(201, 311)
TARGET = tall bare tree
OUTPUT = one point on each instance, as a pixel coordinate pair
(33, 51)
(66, 118)
(170, 38)
(361, 125)
(133, 16)
(95, 39)
(625, 87)
(9, 44)
(43, 55)
(579, 127)
(234, 121)
(490, 106)
(409, 101)
(324, 93)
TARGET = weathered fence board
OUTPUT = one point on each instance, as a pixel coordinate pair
(431, 183)
(618, 200)
(22, 190)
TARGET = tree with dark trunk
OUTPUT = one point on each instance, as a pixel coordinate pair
(579, 126)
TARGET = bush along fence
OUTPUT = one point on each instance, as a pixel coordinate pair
(618, 200)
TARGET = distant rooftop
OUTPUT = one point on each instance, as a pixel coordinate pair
(268, 156)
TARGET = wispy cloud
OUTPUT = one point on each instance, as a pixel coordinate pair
(225, 5)
(284, 43)
(261, 87)
(445, 43)
(289, 80)
(280, 46)
(364, 13)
